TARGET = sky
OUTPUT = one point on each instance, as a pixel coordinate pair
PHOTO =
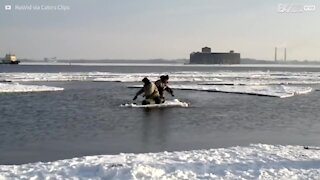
(152, 29)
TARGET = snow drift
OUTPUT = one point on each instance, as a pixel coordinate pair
(257, 161)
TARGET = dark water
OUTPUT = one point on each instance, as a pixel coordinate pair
(86, 119)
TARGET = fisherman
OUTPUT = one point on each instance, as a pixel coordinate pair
(150, 91)
(162, 85)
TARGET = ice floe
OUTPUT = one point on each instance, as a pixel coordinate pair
(280, 91)
(257, 161)
(216, 77)
(167, 103)
(268, 83)
(15, 87)
(273, 91)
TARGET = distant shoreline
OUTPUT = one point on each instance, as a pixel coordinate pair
(164, 61)
(171, 64)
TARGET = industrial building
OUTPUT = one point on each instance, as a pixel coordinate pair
(208, 57)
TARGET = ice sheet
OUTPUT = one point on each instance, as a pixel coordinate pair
(250, 82)
(15, 87)
(269, 90)
(257, 161)
(167, 103)
(217, 77)
(280, 91)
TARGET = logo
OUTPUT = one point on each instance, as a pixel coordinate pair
(295, 8)
(7, 7)
(309, 8)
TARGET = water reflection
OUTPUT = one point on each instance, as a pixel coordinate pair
(154, 129)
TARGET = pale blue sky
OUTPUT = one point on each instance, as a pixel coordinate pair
(170, 29)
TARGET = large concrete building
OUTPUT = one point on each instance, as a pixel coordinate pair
(208, 57)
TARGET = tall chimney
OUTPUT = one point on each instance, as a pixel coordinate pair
(275, 54)
(285, 54)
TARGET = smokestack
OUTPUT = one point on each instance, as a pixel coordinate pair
(275, 54)
(285, 55)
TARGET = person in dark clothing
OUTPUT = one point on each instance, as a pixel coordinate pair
(150, 91)
(162, 85)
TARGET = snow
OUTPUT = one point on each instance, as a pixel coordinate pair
(280, 91)
(222, 77)
(256, 161)
(266, 83)
(273, 91)
(167, 103)
(15, 87)
(217, 77)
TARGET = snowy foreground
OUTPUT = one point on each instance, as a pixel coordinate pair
(258, 161)
(15, 87)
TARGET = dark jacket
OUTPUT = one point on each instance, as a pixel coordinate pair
(150, 91)
(163, 87)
